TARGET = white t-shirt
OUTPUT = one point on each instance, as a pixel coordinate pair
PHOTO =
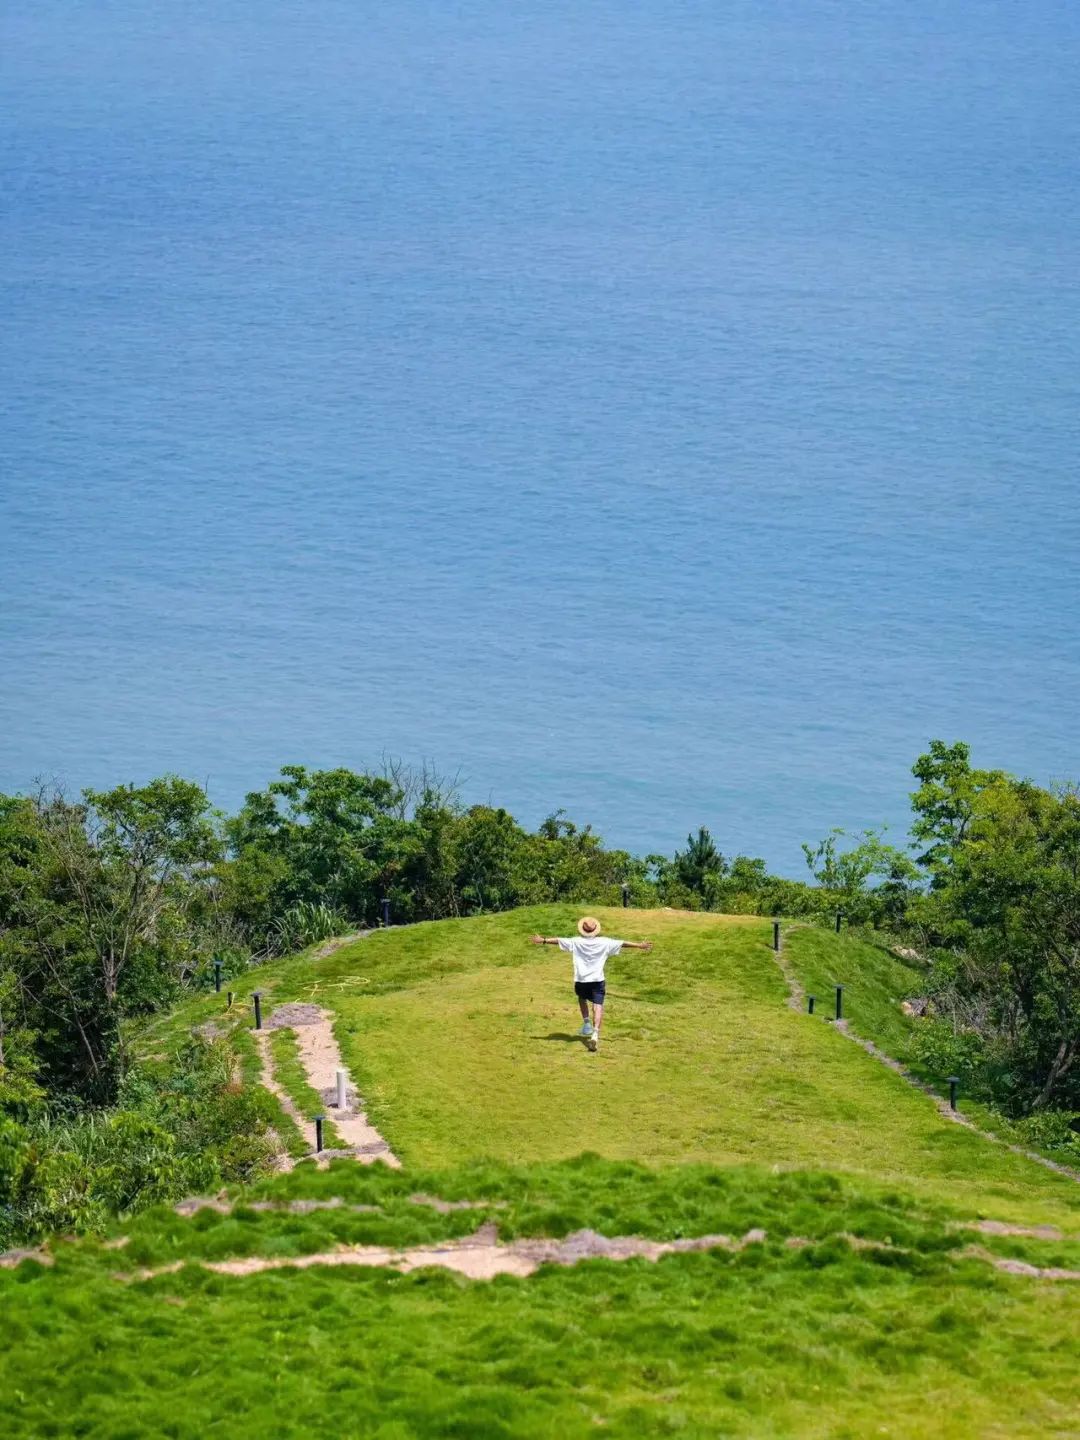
(590, 956)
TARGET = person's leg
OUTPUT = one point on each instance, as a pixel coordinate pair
(582, 993)
(598, 1014)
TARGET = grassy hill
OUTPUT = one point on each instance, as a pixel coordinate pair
(857, 1293)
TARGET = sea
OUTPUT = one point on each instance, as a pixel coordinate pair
(665, 410)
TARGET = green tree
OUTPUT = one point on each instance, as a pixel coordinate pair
(103, 904)
(489, 850)
(945, 801)
(330, 837)
(847, 874)
(1008, 901)
(700, 860)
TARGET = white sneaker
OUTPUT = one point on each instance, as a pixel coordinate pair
(593, 1041)
(586, 1029)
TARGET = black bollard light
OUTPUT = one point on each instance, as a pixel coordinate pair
(810, 1004)
(625, 896)
(776, 935)
(318, 1133)
(217, 975)
(257, 998)
(839, 920)
(954, 1081)
(839, 1002)
(229, 1000)
(386, 912)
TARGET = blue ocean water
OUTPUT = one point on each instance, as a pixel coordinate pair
(662, 409)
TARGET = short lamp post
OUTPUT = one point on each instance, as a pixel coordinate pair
(954, 1085)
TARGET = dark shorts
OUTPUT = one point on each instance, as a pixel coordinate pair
(590, 990)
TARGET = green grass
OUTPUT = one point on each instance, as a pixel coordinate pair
(553, 1200)
(876, 983)
(712, 1107)
(291, 1076)
(461, 1037)
(250, 1068)
(913, 1341)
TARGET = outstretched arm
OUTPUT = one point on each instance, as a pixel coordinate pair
(637, 944)
(544, 940)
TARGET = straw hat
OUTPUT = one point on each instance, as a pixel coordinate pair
(588, 926)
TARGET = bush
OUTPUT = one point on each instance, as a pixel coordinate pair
(305, 923)
(186, 1130)
(1054, 1130)
(945, 1051)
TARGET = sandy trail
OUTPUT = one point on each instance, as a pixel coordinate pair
(482, 1257)
(478, 1257)
(321, 1058)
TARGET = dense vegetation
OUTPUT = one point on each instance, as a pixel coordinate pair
(115, 905)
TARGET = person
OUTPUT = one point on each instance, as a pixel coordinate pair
(590, 950)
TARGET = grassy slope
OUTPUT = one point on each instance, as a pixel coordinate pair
(448, 1028)
(461, 1036)
(877, 981)
(916, 1343)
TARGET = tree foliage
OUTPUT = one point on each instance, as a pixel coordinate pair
(1003, 917)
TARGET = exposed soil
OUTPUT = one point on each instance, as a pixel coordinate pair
(293, 1015)
(321, 1059)
(329, 946)
(209, 1030)
(479, 1256)
(446, 1207)
(10, 1258)
(1021, 1267)
(187, 1208)
(1030, 1232)
(223, 1206)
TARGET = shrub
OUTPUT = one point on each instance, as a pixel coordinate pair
(944, 1051)
(305, 923)
(1055, 1130)
(185, 1130)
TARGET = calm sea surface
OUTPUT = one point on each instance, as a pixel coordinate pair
(664, 410)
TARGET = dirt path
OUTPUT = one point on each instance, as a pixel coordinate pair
(482, 1257)
(797, 1001)
(478, 1257)
(321, 1058)
(329, 946)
